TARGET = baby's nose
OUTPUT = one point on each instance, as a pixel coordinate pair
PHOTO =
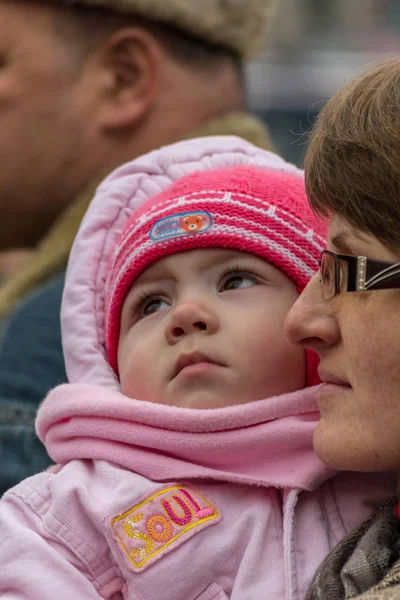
(190, 317)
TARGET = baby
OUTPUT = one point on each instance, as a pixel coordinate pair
(184, 440)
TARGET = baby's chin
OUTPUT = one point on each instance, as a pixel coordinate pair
(202, 400)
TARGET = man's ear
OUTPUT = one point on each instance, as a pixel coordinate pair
(130, 62)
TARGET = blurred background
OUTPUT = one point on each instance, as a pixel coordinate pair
(315, 46)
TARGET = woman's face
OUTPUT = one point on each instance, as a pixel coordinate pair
(357, 337)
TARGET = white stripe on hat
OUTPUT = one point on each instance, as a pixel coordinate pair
(263, 229)
(263, 241)
(172, 204)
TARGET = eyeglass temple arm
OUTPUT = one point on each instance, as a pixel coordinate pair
(390, 276)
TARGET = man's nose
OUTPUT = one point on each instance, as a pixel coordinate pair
(311, 322)
(190, 317)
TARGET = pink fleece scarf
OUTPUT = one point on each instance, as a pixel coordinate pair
(268, 442)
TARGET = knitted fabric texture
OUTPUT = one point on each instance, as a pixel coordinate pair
(240, 25)
(254, 210)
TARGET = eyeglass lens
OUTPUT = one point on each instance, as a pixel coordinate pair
(334, 275)
(328, 269)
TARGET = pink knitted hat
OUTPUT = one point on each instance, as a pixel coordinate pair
(260, 211)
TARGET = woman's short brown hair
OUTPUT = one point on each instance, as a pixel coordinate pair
(352, 165)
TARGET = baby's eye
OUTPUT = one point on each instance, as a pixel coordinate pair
(237, 282)
(150, 306)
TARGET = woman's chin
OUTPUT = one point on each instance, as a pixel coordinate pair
(341, 451)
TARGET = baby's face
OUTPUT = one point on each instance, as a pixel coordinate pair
(204, 329)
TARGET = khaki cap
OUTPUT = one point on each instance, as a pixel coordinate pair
(241, 25)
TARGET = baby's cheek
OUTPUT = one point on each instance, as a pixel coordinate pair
(134, 386)
(134, 375)
(272, 354)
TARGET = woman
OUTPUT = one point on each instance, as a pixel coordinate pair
(350, 314)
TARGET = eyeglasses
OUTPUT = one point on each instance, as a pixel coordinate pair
(345, 273)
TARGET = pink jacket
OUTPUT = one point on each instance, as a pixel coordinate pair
(163, 503)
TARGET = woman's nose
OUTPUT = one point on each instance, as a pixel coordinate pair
(310, 322)
(190, 317)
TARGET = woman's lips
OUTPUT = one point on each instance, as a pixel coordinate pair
(329, 379)
(333, 388)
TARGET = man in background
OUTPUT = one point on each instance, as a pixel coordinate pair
(85, 86)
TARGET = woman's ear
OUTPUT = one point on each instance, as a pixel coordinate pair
(130, 61)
